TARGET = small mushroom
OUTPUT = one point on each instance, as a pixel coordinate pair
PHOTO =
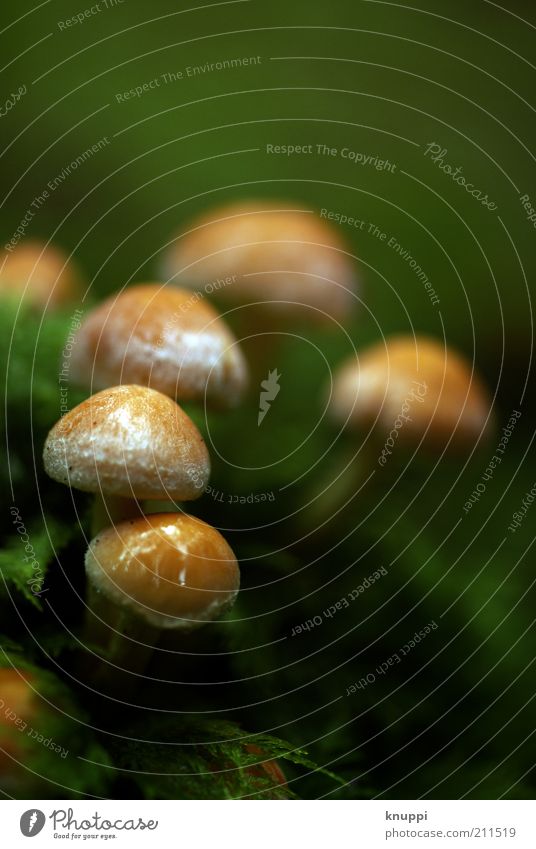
(124, 443)
(40, 275)
(159, 572)
(163, 337)
(399, 394)
(168, 569)
(416, 386)
(18, 709)
(21, 711)
(290, 259)
(273, 266)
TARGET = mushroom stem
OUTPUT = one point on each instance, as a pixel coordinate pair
(110, 509)
(124, 644)
(261, 341)
(348, 479)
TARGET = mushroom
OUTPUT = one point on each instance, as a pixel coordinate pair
(18, 709)
(30, 730)
(39, 274)
(272, 264)
(403, 392)
(415, 386)
(125, 443)
(158, 572)
(163, 337)
(268, 252)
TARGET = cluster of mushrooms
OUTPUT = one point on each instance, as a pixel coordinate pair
(150, 347)
(131, 445)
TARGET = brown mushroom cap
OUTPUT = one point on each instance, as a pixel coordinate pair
(273, 252)
(172, 570)
(16, 693)
(41, 274)
(432, 387)
(163, 337)
(18, 702)
(129, 441)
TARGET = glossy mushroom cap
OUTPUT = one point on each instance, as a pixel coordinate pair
(163, 337)
(416, 386)
(129, 441)
(267, 252)
(41, 275)
(172, 570)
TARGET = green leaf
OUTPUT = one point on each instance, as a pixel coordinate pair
(200, 758)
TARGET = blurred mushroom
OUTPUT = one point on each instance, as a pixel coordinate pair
(401, 393)
(268, 252)
(277, 264)
(417, 388)
(18, 709)
(162, 572)
(162, 337)
(39, 275)
(26, 725)
(125, 443)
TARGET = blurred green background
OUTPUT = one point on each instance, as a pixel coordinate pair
(383, 79)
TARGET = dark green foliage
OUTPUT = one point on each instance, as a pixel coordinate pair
(198, 758)
(30, 355)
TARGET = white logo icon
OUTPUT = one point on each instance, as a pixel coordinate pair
(270, 387)
(31, 822)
